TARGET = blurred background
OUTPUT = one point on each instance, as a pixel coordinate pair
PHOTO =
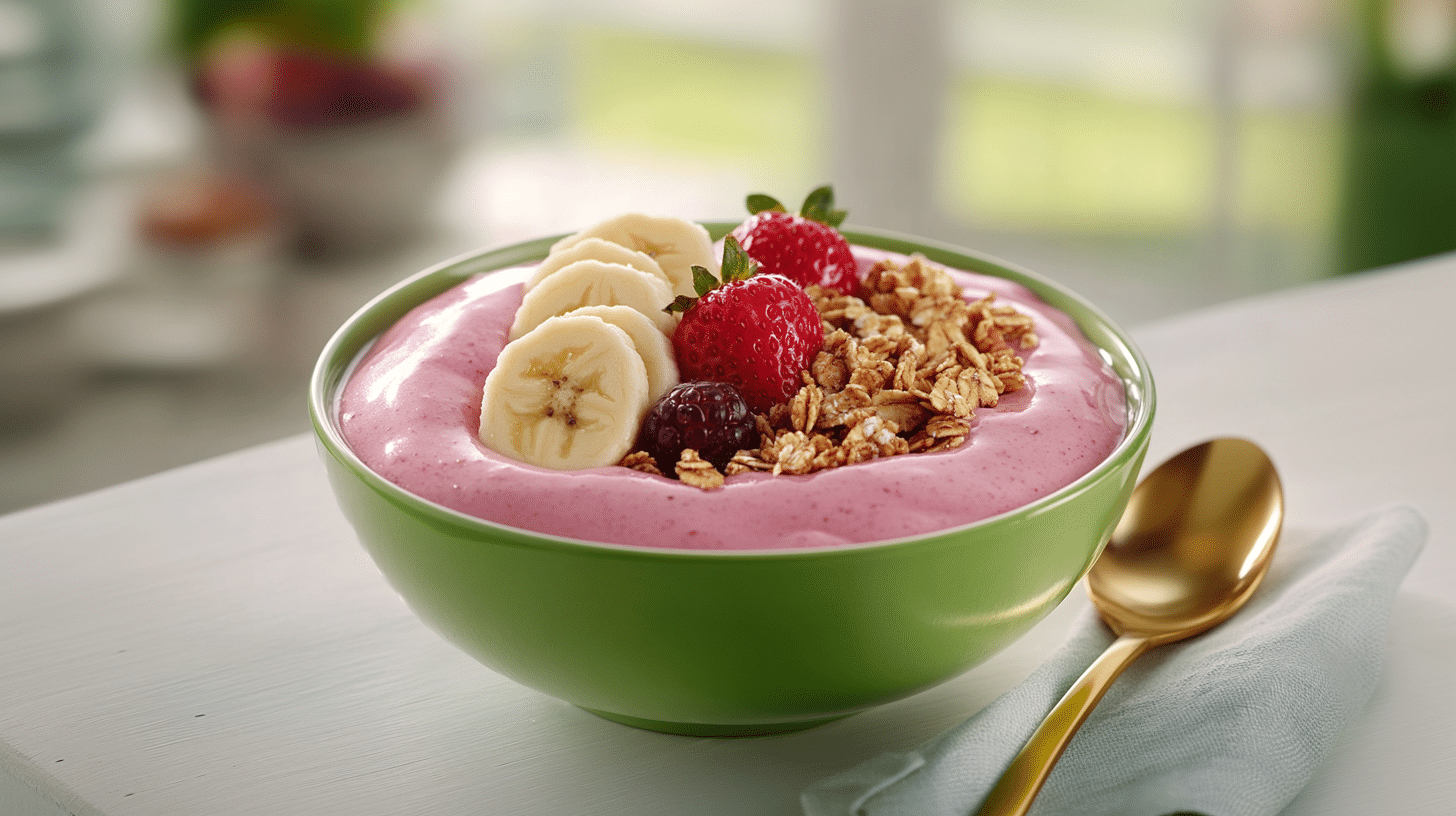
(195, 193)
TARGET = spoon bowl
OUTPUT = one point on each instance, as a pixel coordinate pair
(1195, 542)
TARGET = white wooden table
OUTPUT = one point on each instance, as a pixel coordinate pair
(211, 640)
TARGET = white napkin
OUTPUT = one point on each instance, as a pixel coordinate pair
(1231, 723)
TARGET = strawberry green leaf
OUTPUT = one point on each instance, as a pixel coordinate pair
(758, 202)
(703, 281)
(836, 218)
(681, 303)
(819, 205)
(736, 263)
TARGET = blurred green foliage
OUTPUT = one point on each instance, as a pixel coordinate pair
(1400, 175)
(337, 27)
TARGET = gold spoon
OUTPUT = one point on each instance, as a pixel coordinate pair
(1197, 538)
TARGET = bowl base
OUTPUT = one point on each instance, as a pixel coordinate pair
(711, 729)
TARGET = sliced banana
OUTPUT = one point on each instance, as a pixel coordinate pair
(595, 249)
(570, 394)
(677, 244)
(652, 344)
(595, 283)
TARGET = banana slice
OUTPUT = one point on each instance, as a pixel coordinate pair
(596, 249)
(571, 394)
(675, 243)
(653, 345)
(595, 283)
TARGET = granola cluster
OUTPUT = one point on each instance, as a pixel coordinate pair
(902, 370)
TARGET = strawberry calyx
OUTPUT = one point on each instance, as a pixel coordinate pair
(818, 206)
(736, 266)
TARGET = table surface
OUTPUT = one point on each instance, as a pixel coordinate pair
(213, 639)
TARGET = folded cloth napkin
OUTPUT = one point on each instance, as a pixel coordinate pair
(1231, 723)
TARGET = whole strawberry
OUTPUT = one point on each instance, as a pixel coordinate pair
(753, 331)
(806, 247)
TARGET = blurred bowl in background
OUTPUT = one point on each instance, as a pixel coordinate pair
(356, 188)
(353, 150)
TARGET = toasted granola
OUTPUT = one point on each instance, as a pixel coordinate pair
(698, 472)
(641, 460)
(902, 370)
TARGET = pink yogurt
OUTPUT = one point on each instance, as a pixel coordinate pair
(411, 412)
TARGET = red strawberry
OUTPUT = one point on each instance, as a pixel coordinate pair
(806, 247)
(753, 331)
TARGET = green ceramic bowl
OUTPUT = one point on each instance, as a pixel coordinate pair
(729, 643)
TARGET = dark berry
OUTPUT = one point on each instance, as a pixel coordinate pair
(712, 418)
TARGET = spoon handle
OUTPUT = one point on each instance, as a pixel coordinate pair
(1023, 778)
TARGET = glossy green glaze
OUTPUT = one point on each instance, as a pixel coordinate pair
(729, 643)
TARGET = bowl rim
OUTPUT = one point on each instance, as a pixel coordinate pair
(338, 356)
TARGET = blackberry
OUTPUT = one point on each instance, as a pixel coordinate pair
(712, 418)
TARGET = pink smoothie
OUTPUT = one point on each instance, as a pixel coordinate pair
(411, 411)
